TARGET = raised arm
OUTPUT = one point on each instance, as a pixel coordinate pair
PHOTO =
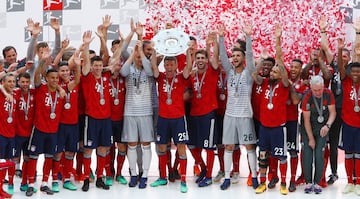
(210, 40)
(249, 56)
(188, 67)
(323, 67)
(279, 54)
(340, 62)
(34, 29)
(87, 38)
(74, 64)
(324, 39)
(64, 45)
(55, 24)
(356, 26)
(255, 75)
(226, 64)
(104, 52)
(43, 63)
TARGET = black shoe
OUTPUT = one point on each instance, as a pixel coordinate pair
(332, 178)
(18, 173)
(30, 191)
(292, 187)
(6, 181)
(171, 176)
(273, 182)
(100, 184)
(201, 176)
(46, 190)
(86, 184)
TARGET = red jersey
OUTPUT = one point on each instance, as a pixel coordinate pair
(348, 114)
(25, 112)
(205, 101)
(117, 106)
(256, 96)
(221, 93)
(273, 115)
(7, 116)
(45, 121)
(70, 113)
(175, 109)
(317, 71)
(292, 110)
(92, 94)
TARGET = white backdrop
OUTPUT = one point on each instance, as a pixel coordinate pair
(77, 16)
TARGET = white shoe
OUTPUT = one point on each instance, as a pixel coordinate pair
(357, 189)
(235, 178)
(349, 188)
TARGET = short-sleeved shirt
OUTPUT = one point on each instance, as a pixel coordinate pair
(348, 114)
(208, 100)
(70, 115)
(176, 108)
(43, 101)
(25, 101)
(308, 104)
(276, 116)
(92, 93)
(117, 109)
(8, 110)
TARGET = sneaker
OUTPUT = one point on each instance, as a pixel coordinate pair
(133, 181)
(235, 178)
(317, 189)
(300, 180)
(292, 187)
(109, 180)
(254, 182)
(308, 188)
(24, 187)
(18, 173)
(357, 190)
(283, 189)
(171, 176)
(349, 188)
(142, 183)
(177, 175)
(196, 170)
(46, 190)
(205, 182)
(201, 176)
(100, 184)
(55, 187)
(183, 187)
(249, 180)
(121, 180)
(86, 184)
(159, 182)
(261, 188)
(70, 186)
(29, 191)
(10, 189)
(273, 182)
(225, 185)
(219, 176)
(332, 178)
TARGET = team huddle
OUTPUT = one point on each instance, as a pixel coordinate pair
(67, 102)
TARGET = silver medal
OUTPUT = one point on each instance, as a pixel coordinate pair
(270, 106)
(116, 102)
(356, 109)
(320, 119)
(222, 97)
(102, 101)
(198, 95)
(168, 101)
(52, 116)
(67, 105)
(9, 120)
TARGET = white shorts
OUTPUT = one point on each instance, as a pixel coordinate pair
(138, 129)
(238, 130)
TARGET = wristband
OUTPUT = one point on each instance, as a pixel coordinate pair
(328, 125)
